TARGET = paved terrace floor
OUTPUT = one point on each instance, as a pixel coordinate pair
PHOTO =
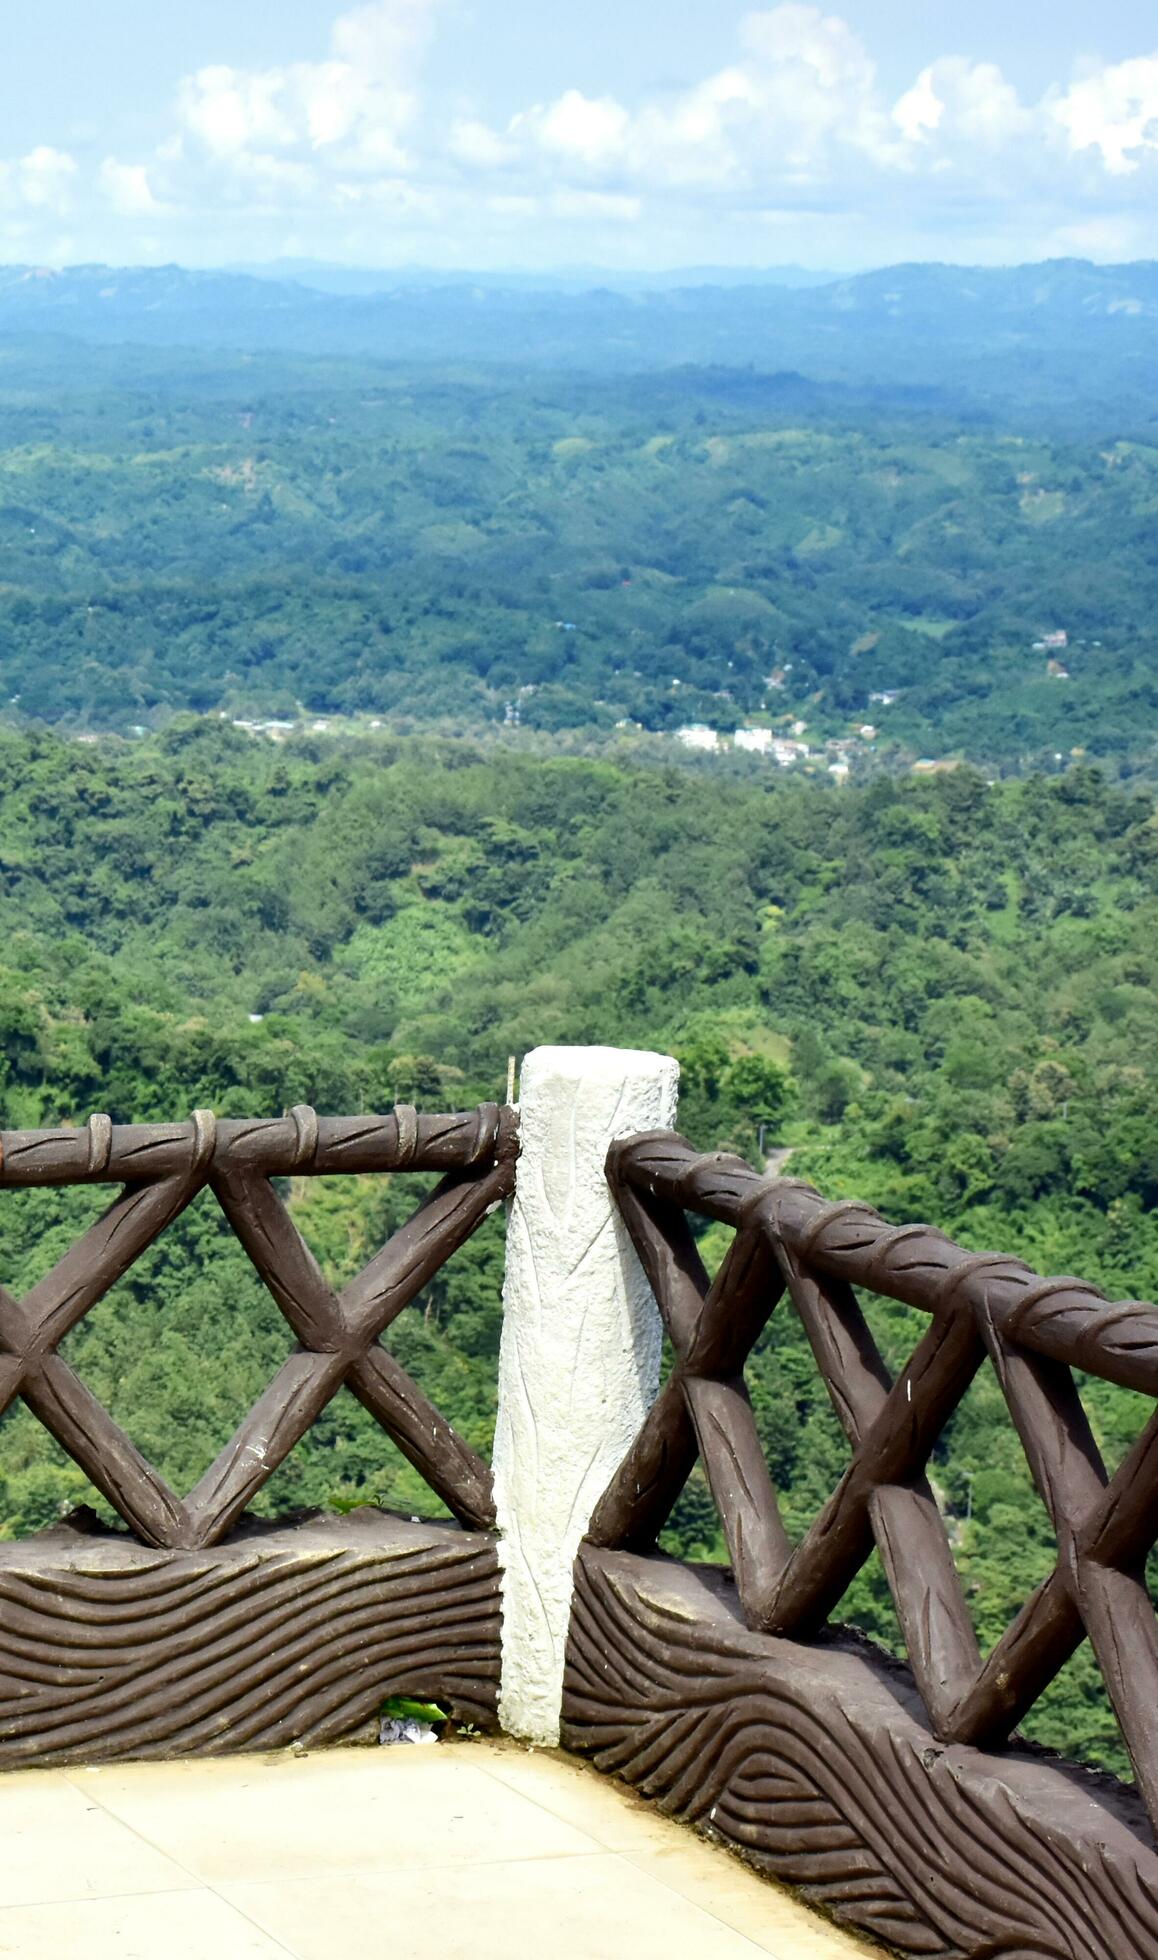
(465, 1851)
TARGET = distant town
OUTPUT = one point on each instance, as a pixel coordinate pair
(782, 749)
(787, 745)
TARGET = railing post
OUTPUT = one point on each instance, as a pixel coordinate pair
(579, 1365)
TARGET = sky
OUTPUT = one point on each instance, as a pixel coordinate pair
(489, 134)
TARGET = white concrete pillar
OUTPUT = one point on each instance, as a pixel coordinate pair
(579, 1364)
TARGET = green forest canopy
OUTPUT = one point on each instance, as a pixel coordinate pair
(301, 536)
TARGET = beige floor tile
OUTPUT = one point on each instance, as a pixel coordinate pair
(577, 1793)
(56, 1843)
(167, 1926)
(221, 1771)
(768, 1914)
(703, 1873)
(354, 1810)
(594, 1908)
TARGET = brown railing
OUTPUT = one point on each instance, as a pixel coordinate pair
(982, 1306)
(162, 1167)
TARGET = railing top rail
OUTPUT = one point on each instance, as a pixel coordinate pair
(1064, 1318)
(300, 1144)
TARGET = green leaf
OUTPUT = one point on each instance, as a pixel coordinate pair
(398, 1708)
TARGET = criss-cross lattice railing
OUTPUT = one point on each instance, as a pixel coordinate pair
(1034, 1332)
(162, 1168)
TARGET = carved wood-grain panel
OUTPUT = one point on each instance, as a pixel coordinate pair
(291, 1633)
(818, 1764)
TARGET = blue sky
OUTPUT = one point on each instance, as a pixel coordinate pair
(619, 132)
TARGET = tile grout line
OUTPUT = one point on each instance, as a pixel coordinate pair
(420, 1871)
(595, 1848)
(428, 1865)
(256, 1924)
(115, 1898)
(356, 1872)
(591, 1849)
(778, 1952)
(199, 1884)
(838, 1941)
(559, 1816)
(82, 1790)
(836, 1938)
(615, 1851)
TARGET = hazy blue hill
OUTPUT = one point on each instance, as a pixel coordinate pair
(1057, 292)
(327, 278)
(1066, 338)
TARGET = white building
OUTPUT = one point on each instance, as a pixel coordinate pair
(758, 740)
(698, 736)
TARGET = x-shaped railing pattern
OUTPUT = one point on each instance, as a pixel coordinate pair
(163, 1168)
(1033, 1331)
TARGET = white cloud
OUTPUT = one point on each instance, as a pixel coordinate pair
(277, 180)
(127, 187)
(598, 205)
(983, 107)
(357, 103)
(231, 112)
(802, 107)
(1104, 238)
(961, 105)
(1114, 111)
(801, 100)
(798, 124)
(393, 196)
(791, 128)
(476, 145)
(813, 75)
(593, 133)
(515, 205)
(44, 178)
(920, 109)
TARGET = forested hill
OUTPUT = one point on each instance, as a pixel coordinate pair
(943, 994)
(1061, 337)
(589, 559)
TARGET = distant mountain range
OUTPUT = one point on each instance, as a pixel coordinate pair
(1056, 335)
(327, 278)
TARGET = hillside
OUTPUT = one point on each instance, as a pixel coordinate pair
(942, 995)
(596, 559)
(1063, 337)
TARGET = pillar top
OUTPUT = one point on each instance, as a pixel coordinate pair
(596, 1064)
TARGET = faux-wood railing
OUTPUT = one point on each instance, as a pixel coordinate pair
(1033, 1331)
(207, 1629)
(898, 1797)
(163, 1167)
